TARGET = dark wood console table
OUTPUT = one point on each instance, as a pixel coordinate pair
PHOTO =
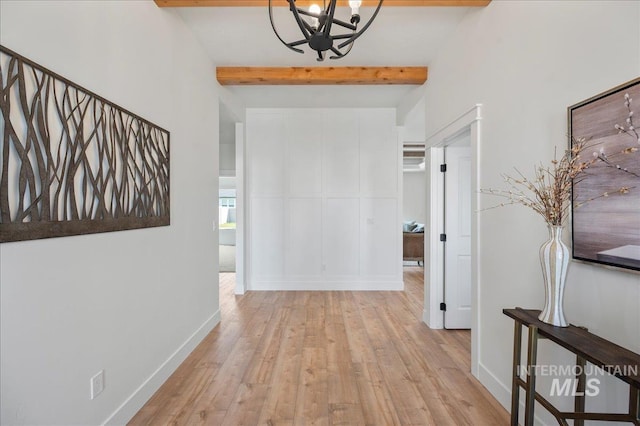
(616, 360)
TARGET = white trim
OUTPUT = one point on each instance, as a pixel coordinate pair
(241, 240)
(439, 137)
(433, 248)
(327, 285)
(476, 141)
(399, 133)
(502, 393)
(140, 396)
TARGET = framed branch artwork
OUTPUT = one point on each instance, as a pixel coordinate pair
(606, 202)
(73, 162)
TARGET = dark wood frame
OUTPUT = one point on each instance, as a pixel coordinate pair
(588, 348)
(588, 182)
(73, 162)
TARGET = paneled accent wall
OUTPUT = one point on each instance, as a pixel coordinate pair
(324, 199)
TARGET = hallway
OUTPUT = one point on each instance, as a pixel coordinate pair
(346, 358)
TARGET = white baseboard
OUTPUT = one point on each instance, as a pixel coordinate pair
(327, 285)
(499, 390)
(426, 318)
(140, 396)
(502, 392)
(432, 324)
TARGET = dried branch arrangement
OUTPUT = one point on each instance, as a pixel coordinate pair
(73, 162)
(549, 193)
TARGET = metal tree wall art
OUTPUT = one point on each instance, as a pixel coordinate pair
(71, 161)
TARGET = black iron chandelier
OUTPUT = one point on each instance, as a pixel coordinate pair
(317, 28)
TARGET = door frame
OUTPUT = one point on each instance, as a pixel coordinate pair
(241, 261)
(434, 249)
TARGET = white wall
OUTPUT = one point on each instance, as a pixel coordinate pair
(526, 62)
(227, 182)
(324, 199)
(125, 301)
(228, 158)
(231, 111)
(414, 201)
(413, 126)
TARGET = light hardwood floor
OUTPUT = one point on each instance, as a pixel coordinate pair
(348, 358)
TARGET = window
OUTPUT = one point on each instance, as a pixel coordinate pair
(227, 209)
(227, 202)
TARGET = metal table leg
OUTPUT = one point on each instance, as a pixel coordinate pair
(634, 404)
(579, 401)
(515, 387)
(532, 354)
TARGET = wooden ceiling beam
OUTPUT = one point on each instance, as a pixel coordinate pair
(270, 76)
(365, 3)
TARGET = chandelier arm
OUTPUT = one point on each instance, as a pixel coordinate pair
(342, 36)
(297, 43)
(306, 24)
(359, 33)
(342, 55)
(344, 24)
(337, 52)
(307, 13)
(278, 35)
(309, 27)
(302, 24)
(332, 10)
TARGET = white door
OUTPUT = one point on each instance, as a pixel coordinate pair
(457, 223)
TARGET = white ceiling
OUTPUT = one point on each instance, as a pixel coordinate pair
(400, 36)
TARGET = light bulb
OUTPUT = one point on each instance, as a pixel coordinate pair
(315, 9)
(355, 6)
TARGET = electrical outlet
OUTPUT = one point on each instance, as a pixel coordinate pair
(97, 384)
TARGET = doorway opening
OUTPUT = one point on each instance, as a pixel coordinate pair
(413, 204)
(227, 212)
(231, 223)
(451, 239)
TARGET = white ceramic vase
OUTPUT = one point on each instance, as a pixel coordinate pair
(554, 258)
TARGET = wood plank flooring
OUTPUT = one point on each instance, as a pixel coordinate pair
(325, 358)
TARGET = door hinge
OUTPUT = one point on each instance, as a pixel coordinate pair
(443, 306)
(443, 168)
(443, 237)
